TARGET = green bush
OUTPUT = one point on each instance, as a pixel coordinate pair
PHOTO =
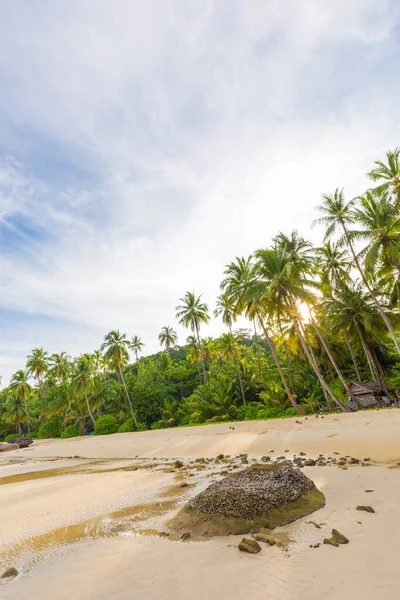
(51, 429)
(33, 435)
(11, 436)
(127, 426)
(105, 425)
(70, 431)
(142, 427)
(158, 425)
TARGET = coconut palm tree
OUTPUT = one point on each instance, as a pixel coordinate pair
(380, 223)
(37, 365)
(15, 412)
(333, 265)
(82, 382)
(225, 309)
(339, 214)
(59, 366)
(192, 313)
(136, 345)
(21, 388)
(389, 173)
(350, 309)
(282, 287)
(167, 337)
(115, 348)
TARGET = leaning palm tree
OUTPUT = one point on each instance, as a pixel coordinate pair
(192, 313)
(282, 287)
(21, 388)
(37, 365)
(115, 348)
(225, 309)
(389, 173)
(167, 337)
(339, 214)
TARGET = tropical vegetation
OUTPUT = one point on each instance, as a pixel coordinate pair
(318, 318)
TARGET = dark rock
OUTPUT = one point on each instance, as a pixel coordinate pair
(365, 508)
(184, 484)
(253, 492)
(315, 545)
(185, 536)
(310, 462)
(354, 461)
(23, 442)
(10, 572)
(368, 491)
(178, 464)
(265, 458)
(302, 454)
(336, 538)
(249, 545)
(341, 463)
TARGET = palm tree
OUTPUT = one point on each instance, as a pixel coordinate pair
(333, 265)
(225, 308)
(15, 412)
(350, 310)
(239, 277)
(59, 366)
(115, 347)
(82, 381)
(136, 345)
(37, 365)
(167, 337)
(389, 173)
(192, 313)
(21, 388)
(380, 223)
(281, 287)
(338, 214)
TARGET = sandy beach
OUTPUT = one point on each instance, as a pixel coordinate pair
(83, 518)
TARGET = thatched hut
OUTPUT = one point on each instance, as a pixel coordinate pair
(367, 394)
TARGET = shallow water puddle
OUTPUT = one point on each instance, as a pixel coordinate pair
(31, 552)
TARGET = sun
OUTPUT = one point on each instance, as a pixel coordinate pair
(305, 314)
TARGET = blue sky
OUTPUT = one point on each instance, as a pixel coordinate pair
(144, 145)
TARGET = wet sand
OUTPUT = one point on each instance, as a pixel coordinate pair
(81, 518)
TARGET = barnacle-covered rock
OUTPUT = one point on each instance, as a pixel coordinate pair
(260, 496)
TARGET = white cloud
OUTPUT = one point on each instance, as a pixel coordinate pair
(191, 131)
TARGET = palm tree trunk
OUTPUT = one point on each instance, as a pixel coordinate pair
(201, 354)
(82, 426)
(27, 414)
(368, 355)
(19, 426)
(127, 396)
(235, 358)
(271, 345)
(289, 367)
(311, 357)
(258, 348)
(382, 377)
(370, 290)
(89, 410)
(350, 349)
(329, 353)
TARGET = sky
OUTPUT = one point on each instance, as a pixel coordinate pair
(144, 145)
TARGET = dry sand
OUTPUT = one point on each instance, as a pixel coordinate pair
(78, 522)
